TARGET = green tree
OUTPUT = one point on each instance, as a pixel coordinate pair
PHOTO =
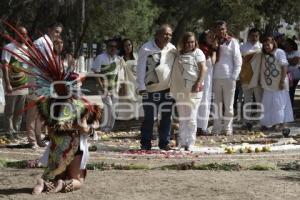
(273, 12)
(130, 18)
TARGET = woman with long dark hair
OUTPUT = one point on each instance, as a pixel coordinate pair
(207, 45)
(129, 100)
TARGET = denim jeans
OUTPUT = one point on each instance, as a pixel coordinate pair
(156, 104)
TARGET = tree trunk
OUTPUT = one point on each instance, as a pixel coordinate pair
(179, 29)
(82, 29)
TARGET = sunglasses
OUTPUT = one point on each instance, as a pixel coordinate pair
(112, 46)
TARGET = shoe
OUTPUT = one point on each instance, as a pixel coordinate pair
(199, 132)
(228, 133)
(17, 137)
(247, 126)
(46, 139)
(146, 148)
(166, 148)
(187, 148)
(215, 133)
(10, 137)
(42, 144)
(264, 128)
(202, 133)
(180, 147)
(175, 126)
(106, 129)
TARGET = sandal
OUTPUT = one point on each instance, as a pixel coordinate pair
(68, 186)
(49, 186)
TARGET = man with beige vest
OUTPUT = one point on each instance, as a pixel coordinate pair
(155, 62)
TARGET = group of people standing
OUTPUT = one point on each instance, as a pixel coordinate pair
(197, 71)
(184, 83)
(185, 77)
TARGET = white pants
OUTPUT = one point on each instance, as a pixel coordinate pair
(33, 126)
(223, 91)
(12, 118)
(204, 108)
(109, 102)
(188, 121)
(248, 93)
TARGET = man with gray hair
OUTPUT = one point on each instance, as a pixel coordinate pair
(155, 62)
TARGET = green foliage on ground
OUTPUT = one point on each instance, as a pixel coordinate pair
(213, 166)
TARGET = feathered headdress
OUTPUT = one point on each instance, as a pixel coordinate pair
(60, 99)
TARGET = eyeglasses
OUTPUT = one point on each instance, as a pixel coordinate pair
(112, 46)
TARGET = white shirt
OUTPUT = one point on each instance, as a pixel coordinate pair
(185, 73)
(104, 59)
(230, 61)
(165, 57)
(6, 57)
(44, 44)
(293, 54)
(248, 47)
(280, 57)
(279, 54)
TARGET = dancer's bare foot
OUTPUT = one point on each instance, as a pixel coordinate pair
(59, 186)
(49, 186)
(39, 187)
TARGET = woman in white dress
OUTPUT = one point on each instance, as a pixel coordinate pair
(188, 75)
(206, 43)
(273, 78)
(129, 102)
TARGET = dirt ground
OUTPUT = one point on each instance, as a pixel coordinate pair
(17, 184)
(140, 184)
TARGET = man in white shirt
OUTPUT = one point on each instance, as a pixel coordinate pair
(248, 50)
(155, 62)
(14, 78)
(33, 121)
(226, 72)
(108, 65)
(45, 43)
